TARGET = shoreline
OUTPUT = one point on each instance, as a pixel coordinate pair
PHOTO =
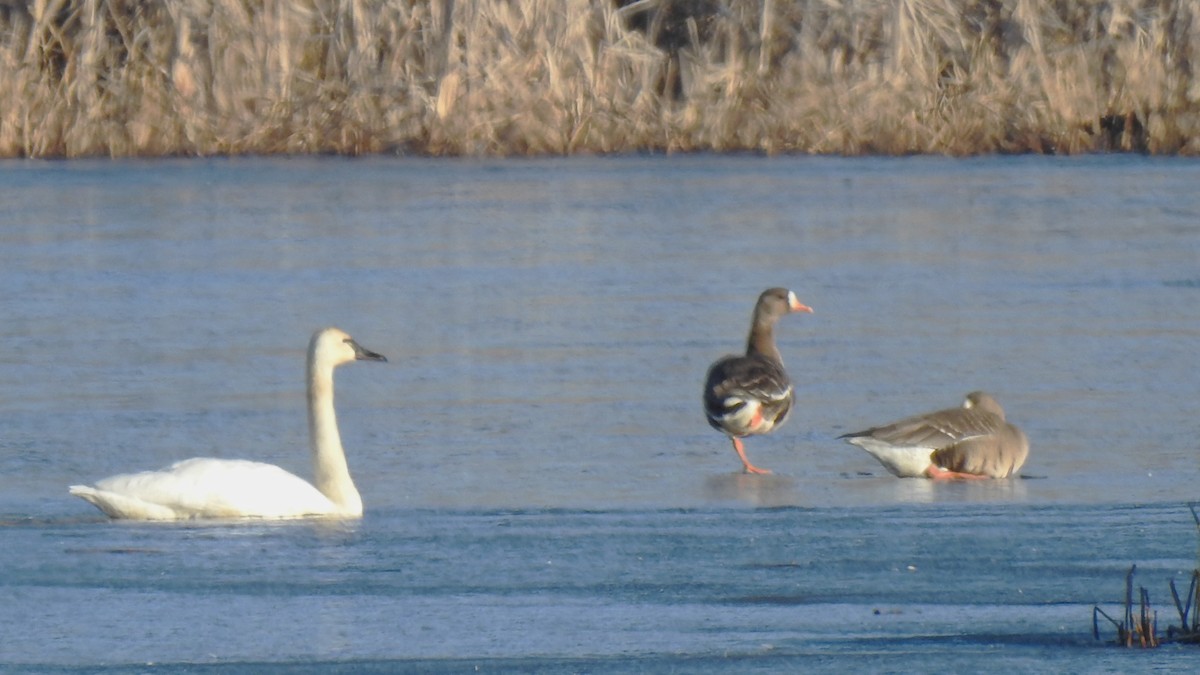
(530, 78)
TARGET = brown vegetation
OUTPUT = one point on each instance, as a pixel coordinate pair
(452, 77)
(1141, 629)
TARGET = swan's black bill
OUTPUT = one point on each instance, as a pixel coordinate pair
(361, 353)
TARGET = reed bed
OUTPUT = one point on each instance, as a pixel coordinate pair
(534, 77)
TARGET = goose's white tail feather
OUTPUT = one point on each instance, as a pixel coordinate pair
(903, 461)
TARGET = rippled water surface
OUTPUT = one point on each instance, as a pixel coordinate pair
(542, 491)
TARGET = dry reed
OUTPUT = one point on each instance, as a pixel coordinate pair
(484, 77)
(1141, 629)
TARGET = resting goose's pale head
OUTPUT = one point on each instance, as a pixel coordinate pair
(983, 401)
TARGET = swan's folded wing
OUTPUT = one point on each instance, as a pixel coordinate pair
(221, 488)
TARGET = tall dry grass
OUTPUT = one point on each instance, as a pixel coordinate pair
(199, 77)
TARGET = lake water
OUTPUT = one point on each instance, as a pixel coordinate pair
(542, 491)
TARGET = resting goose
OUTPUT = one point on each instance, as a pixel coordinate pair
(234, 488)
(751, 395)
(973, 441)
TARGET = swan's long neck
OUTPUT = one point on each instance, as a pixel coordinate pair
(330, 473)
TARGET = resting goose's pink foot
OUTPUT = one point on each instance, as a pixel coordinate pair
(938, 473)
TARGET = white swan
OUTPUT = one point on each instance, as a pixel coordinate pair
(206, 487)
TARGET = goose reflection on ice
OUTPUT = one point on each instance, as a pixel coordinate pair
(924, 491)
(754, 489)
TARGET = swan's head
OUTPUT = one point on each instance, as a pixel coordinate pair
(334, 347)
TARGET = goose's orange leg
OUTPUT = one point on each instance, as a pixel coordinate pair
(746, 465)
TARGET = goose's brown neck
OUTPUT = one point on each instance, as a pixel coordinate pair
(762, 340)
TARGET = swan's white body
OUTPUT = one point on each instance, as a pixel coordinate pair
(206, 487)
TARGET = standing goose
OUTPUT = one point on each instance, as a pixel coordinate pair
(751, 395)
(973, 441)
(205, 487)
